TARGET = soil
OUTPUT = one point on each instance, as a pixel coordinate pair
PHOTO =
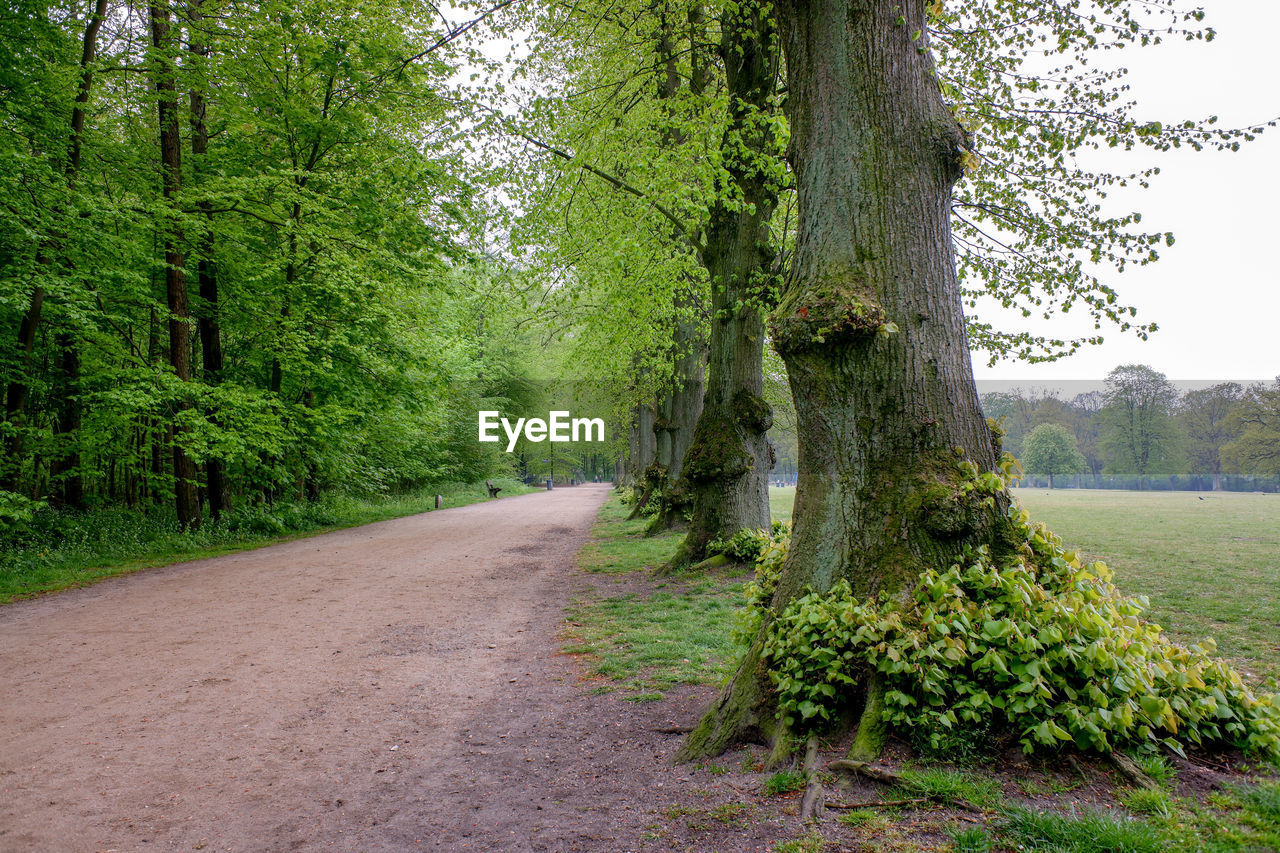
(390, 687)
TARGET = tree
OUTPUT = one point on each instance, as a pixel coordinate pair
(712, 152)
(871, 329)
(1256, 451)
(1139, 434)
(897, 464)
(1207, 416)
(1050, 449)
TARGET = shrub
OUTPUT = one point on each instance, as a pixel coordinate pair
(1042, 644)
(742, 547)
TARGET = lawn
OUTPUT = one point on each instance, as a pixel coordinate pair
(1209, 562)
(1208, 565)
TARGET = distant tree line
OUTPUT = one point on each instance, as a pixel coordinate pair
(1140, 432)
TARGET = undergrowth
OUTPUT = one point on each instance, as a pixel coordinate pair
(47, 550)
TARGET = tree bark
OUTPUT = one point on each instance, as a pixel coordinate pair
(679, 413)
(186, 498)
(885, 412)
(726, 470)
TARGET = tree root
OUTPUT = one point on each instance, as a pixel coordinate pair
(888, 777)
(872, 733)
(1133, 772)
(814, 800)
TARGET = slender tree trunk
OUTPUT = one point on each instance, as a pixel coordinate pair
(65, 466)
(209, 327)
(884, 412)
(186, 499)
(726, 470)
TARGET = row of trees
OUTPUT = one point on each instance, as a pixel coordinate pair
(907, 159)
(232, 262)
(1140, 430)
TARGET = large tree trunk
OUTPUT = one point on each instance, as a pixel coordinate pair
(885, 412)
(186, 497)
(207, 277)
(678, 416)
(726, 469)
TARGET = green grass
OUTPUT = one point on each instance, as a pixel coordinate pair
(647, 643)
(950, 786)
(618, 545)
(781, 501)
(61, 551)
(1210, 567)
(783, 782)
(676, 633)
(1090, 832)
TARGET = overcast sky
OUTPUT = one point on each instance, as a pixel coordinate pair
(1216, 293)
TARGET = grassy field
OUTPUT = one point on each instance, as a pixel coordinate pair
(1209, 563)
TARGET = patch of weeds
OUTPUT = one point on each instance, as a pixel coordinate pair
(1090, 832)
(750, 763)
(1155, 766)
(675, 811)
(949, 786)
(810, 842)
(1264, 801)
(783, 782)
(646, 697)
(677, 635)
(971, 840)
(735, 814)
(618, 546)
(1145, 801)
(715, 769)
(602, 690)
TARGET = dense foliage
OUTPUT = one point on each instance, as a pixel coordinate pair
(287, 299)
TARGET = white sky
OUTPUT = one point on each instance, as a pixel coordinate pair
(1216, 292)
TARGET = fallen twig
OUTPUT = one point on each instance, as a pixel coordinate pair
(878, 804)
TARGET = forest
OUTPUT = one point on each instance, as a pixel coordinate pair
(1140, 431)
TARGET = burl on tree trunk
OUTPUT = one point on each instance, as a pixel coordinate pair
(872, 332)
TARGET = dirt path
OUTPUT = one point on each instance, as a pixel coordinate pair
(389, 687)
